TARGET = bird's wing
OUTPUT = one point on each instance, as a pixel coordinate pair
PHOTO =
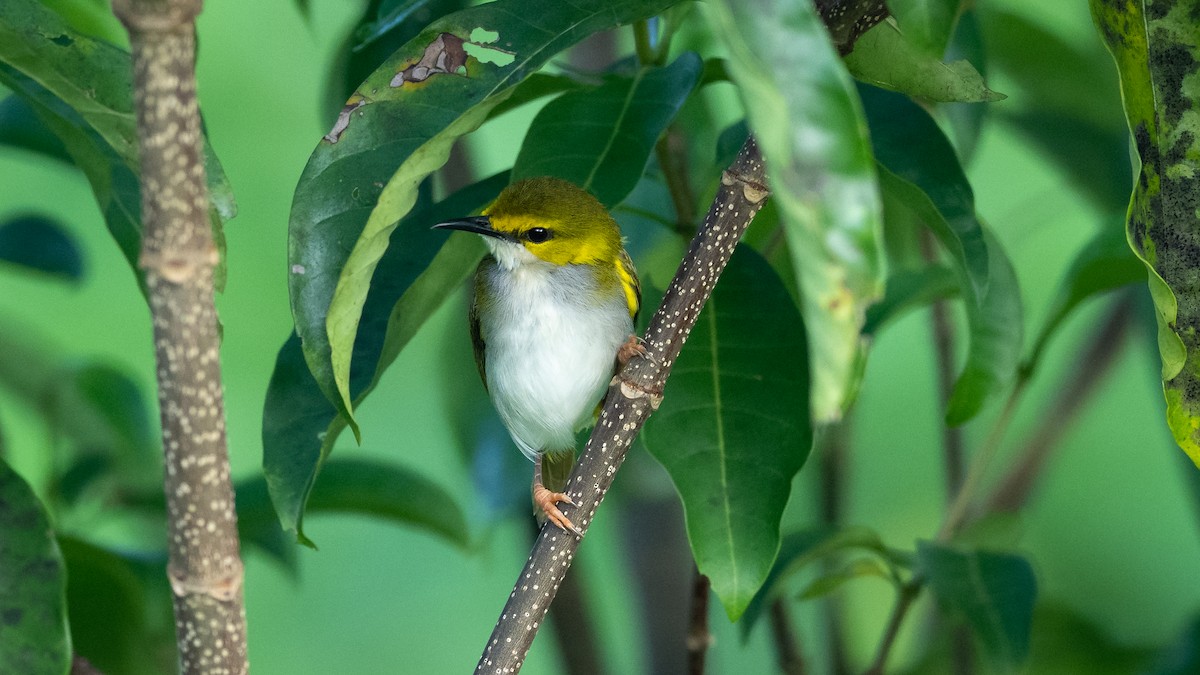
(629, 281)
(473, 317)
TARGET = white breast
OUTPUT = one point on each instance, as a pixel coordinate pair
(551, 340)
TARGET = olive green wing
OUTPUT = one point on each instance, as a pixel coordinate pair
(630, 282)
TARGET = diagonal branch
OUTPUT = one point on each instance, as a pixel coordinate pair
(634, 394)
(178, 257)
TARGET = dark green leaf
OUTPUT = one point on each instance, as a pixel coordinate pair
(932, 184)
(1158, 53)
(1103, 264)
(802, 109)
(300, 425)
(966, 119)
(994, 592)
(536, 86)
(908, 290)
(733, 427)
(20, 128)
(33, 584)
(362, 178)
(601, 139)
(42, 244)
(108, 596)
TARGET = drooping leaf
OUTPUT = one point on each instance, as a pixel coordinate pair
(932, 184)
(40, 243)
(110, 598)
(395, 130)
(1157, 50)
(300, 425)
(833, 580)
(33, 584)
(803, 110)
(80, 89)
(908, 290)
(20, 128)
(733, 427)
(601, 139)
(886, 59)
(799, 549)
(994, 592)
(1103, 264)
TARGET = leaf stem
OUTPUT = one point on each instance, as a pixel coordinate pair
(904, 600)
(943, 345)
(787, 652)
(699, 638)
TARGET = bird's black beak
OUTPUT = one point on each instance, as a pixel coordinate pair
(477, 224)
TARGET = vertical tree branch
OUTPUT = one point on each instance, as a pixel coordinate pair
(633, 395)
(943, 344)
(787, 652)
(178, 257)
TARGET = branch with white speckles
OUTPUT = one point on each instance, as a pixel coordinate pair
(178, 257)
(634, 394)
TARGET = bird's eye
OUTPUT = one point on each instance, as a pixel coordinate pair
(537, 235)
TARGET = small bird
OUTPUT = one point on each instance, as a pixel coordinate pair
(551, 314)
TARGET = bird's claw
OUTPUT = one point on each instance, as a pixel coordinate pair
(633, 347)
(547, 501)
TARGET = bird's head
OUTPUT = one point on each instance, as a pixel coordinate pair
(547, 219)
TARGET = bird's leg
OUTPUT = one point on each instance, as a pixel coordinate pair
(547, 501)
(632, 347)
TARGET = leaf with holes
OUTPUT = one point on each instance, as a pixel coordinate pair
(733, 427)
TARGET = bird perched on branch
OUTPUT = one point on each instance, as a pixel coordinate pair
(551, 315)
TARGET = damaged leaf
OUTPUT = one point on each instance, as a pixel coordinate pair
(1157, 50)
(352, 193)
(848, 19)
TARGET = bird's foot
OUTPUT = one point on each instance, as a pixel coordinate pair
(633, 347)
(547, 501)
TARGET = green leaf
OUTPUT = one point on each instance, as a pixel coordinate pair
(42, 244)
(733, 427)
(994, 591)
(20, 128)
(396, 130)
(1157, 51)
(414, 278)
(927, 24)
(108, 596)
(846, 20)
(801, 106)
(856, 569)
(537, 86)
(886, 59)
(601, 139)
(1103, 264)
(80, 88)
(933, 186)
(966, 119)
(909, 289)
(33, 584)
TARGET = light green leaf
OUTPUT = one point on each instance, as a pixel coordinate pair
(33, 584)
(884, 58)
(927, 24)
(995, 592)
(802, 108)
(733, 427)
(856, 569)
(601, 139)
(1157, 50)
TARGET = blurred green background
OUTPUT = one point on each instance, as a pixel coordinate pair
(1111, 531)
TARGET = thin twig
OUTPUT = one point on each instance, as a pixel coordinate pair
(904, 600)
(634, 394)
(833, 448)
(699, 638)
(178, 257)
(787, 652)
(1089, 370)
(943, 344)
